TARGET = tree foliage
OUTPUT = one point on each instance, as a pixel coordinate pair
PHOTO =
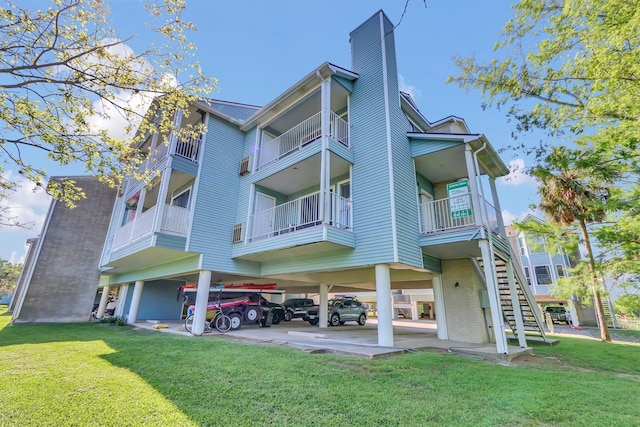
(574, 189)
(9, 274)
(628, 304)
(67, 80)
(571, 68)
(566, 66)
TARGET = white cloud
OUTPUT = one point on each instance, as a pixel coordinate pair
(410, 89)
(509, 217)
(518, 175)
(28, 203)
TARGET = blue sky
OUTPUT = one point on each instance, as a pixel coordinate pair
(258, 48)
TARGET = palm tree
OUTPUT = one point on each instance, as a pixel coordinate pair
(574, 187)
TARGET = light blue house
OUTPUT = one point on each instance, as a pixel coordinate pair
(337, 185)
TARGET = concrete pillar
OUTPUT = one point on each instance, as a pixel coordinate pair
(494, 297)
(414, 311)
(515, 304)
(438, 307)
(202, 298)
(385, 305)
(135, 302)
(324, 308)
(103, 301)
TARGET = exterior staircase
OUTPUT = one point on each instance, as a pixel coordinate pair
(531, 317)
(608, 313)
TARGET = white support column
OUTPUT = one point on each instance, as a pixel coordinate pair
(385, 305)
(515, 304)
(202, 298)
(473, 184)
(438, 307)
(135, 302)
(325, 169)
(414, 311)
(103, 301)
(494, 298)
(324, 308)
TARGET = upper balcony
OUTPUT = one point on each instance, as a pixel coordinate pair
(273, 149)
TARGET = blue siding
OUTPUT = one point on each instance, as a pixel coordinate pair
(403, 165)
(422, 148)
(370, 173)
(217, 199)
(432, 263)
(133, 247)
(160, 300)
(171, 242)
(184, 165)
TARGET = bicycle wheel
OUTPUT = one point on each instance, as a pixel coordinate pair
(188, 323)
(223, 323)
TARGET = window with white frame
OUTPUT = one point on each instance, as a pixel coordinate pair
(543, 274)
(181, 199)
(560, 270)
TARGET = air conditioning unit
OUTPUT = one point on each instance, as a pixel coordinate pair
(244, 165)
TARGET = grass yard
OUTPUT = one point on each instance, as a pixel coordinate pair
(97, 374)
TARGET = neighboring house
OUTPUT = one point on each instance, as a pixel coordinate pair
(542, 270)
(338, 185)
(61, 269)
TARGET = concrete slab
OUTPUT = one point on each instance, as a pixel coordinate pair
(352, 340)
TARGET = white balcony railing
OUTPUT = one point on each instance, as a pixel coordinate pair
(339, 129)
(297, 215)
(174, 221)
(454, 212)
(310, 130)
(188, 148)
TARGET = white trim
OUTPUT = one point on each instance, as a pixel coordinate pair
(392, 195)
(196, 183)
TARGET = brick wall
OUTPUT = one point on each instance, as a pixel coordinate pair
(466, 319)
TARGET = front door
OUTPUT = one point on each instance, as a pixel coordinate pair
(264, 215)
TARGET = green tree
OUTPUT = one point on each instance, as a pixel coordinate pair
(628, 304)
(574, 188)
(566, 66)
(9, 274)
(64, 73)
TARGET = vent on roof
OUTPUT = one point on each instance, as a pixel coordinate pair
(244, 166)
(237, 233)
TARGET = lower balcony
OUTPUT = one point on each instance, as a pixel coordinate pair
(455, 213)
(173, 221)
(284, 230)
(450, 227)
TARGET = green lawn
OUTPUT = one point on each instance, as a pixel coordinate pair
(97, 374)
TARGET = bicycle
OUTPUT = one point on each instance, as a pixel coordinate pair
(221, 322)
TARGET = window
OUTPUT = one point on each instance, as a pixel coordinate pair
(182, 199)
(560, 270)
(528, 275)
(543, 275)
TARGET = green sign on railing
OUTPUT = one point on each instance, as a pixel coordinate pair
(459, 199)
